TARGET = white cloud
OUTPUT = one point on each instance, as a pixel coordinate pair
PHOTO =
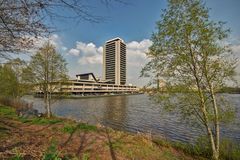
(88, 53)
(136, 59)
(236, 52)
(74, 52)
(136, 52)
(236, 49)
(96, 59)
(89, 57)
(142, 45)
(54, 39)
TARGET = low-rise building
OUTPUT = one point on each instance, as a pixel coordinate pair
(88, 84)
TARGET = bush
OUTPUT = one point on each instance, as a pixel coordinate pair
(15, 103)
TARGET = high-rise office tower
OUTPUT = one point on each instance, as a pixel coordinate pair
(114, 61)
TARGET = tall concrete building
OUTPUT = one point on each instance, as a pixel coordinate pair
(114, 61)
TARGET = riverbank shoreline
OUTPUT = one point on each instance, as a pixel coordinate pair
(38, 138)
(87, 96)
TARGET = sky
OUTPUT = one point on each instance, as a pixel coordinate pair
(81, 43)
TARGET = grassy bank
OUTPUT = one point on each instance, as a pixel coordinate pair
(43, 138)
(58, 138)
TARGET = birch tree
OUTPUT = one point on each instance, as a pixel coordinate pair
(46, 71)
(188, 53)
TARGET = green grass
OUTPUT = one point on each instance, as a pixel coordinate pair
(8, 112)
(17, 156)
(85, 156)
(71, 128)
(200, 149)
(68, 128)
(52, 152)
(229, 149)
(169, 156)
(41, 120)
(86, 127)
(4, 132)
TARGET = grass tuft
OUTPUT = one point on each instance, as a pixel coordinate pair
(40, 120)
(8, 112)
(71, 128)
(52, 152)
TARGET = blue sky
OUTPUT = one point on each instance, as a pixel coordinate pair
(80, 43)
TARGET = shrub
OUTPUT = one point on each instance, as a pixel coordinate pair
(15, 103)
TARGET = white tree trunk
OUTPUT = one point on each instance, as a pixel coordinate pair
(216, 122)
(49, 114)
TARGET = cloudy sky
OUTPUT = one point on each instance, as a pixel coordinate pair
(81, 43)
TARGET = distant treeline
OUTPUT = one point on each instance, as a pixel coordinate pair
(233, 90)
(230, 90)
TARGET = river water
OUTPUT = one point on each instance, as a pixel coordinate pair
(135, 113)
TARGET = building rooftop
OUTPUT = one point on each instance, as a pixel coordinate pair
(85, 74)
(95, 79)
(114, 39)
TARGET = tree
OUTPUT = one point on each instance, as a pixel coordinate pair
(188, 53)
(22, 22)
(10, 79)
(9, 84)
(46, 70)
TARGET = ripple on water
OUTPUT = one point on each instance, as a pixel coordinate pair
(135, 113)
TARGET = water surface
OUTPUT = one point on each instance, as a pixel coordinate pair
(135, 113)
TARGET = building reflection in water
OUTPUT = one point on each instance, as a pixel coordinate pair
(115, 112)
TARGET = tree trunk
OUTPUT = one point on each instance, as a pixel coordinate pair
(48, 106)
(215, 152)
(216, 114)
(215, 149)
(214, 142)
(216, 122)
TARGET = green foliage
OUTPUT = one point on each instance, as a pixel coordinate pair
(52, 153)
(10, 79)
(231, 90)
(9, 82)
(46, 66)
(189, 55)
(46, 72)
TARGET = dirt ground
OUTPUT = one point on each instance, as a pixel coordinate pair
(33, 141)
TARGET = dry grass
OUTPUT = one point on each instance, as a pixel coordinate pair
(69, 140)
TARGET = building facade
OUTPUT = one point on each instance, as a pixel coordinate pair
(114, 61)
